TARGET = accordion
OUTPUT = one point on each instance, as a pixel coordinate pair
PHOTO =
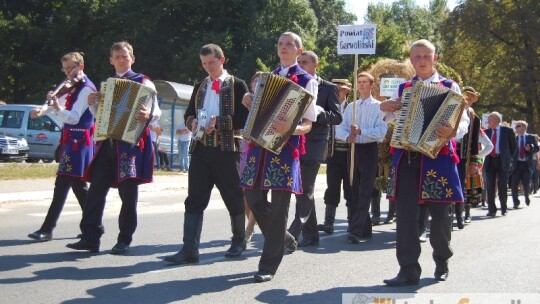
(424, 106)
(275, 96)
(120, 101)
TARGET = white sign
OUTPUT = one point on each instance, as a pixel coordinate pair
(390, 85)
(356, 39)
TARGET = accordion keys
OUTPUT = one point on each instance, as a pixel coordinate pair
(275, 96)
(425, 105)
(120, 101)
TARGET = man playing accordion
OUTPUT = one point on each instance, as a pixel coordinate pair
(280, 173)
(412, 170)
(130, 165)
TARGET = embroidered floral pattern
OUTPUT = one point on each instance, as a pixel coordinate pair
(432, 188)
(443, 181)
(127, 165)
(449, 192)
(247, 176)
(275, 175)
(286, 168)
(392, 181)
(65, 165)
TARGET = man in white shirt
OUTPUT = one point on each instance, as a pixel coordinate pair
(365, 131)
(279, 173)
(412, 173)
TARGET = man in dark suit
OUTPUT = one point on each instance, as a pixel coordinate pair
(328, 114)
(523, 163)
(498, 164)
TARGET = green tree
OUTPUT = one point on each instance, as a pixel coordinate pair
(496, 47)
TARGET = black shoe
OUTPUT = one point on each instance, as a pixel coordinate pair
(79, 236)
(291, 246)
(236, 249)
(400, 281)
(423, 237)
(263, 276)
(120, 248)
(327, 228)
(353, 238)
(491, 214)
(528, 201)
(389, 220)
(467, 219)
(441, 275)
(182, 258)
(41, 236)
(308, 243)
(459, 222)
(504, 213)
(516, 207)
(84, 245)
(375, 221)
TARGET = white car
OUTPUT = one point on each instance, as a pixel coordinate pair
(13, 149)
(42, 134)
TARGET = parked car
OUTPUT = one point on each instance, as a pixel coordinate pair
(42, 134)
(13, 149)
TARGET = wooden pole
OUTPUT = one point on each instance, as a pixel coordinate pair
(353, 121)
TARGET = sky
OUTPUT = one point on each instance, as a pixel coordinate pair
(359, 7)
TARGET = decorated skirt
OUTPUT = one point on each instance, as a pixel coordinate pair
(439, 177)
(279, 172)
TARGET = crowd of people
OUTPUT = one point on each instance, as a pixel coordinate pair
(342, 133)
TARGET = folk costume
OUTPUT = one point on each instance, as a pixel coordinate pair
(472, 183)
(280, 173)
(214, 161)
(75, 153)
(437, 185)
(131, 165)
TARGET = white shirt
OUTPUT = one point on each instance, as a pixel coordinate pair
(369, 119)
(72, 116)
(496, 144)
(211, 98)
(521, 138)
(487, 145)
(153, 134)
(463, 126)
(187, 135)
(312, 87)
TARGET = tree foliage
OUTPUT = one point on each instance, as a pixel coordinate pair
(166, 35)
(496, 47)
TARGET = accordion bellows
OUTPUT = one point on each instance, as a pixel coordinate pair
(275, 97)
(424, 106)
(120, 101)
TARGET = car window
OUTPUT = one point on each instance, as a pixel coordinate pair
(11, 119)
(42, 123)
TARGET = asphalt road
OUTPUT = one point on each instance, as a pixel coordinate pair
(492, 256)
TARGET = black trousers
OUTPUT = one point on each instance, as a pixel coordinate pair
(305, 218)
(210, 166)
(337, 175)
(407, 244)
(496, 175)
(365, 170)
(272, 219)
(521, 174)
(101, 181)
(163, 158)
(62, 185)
